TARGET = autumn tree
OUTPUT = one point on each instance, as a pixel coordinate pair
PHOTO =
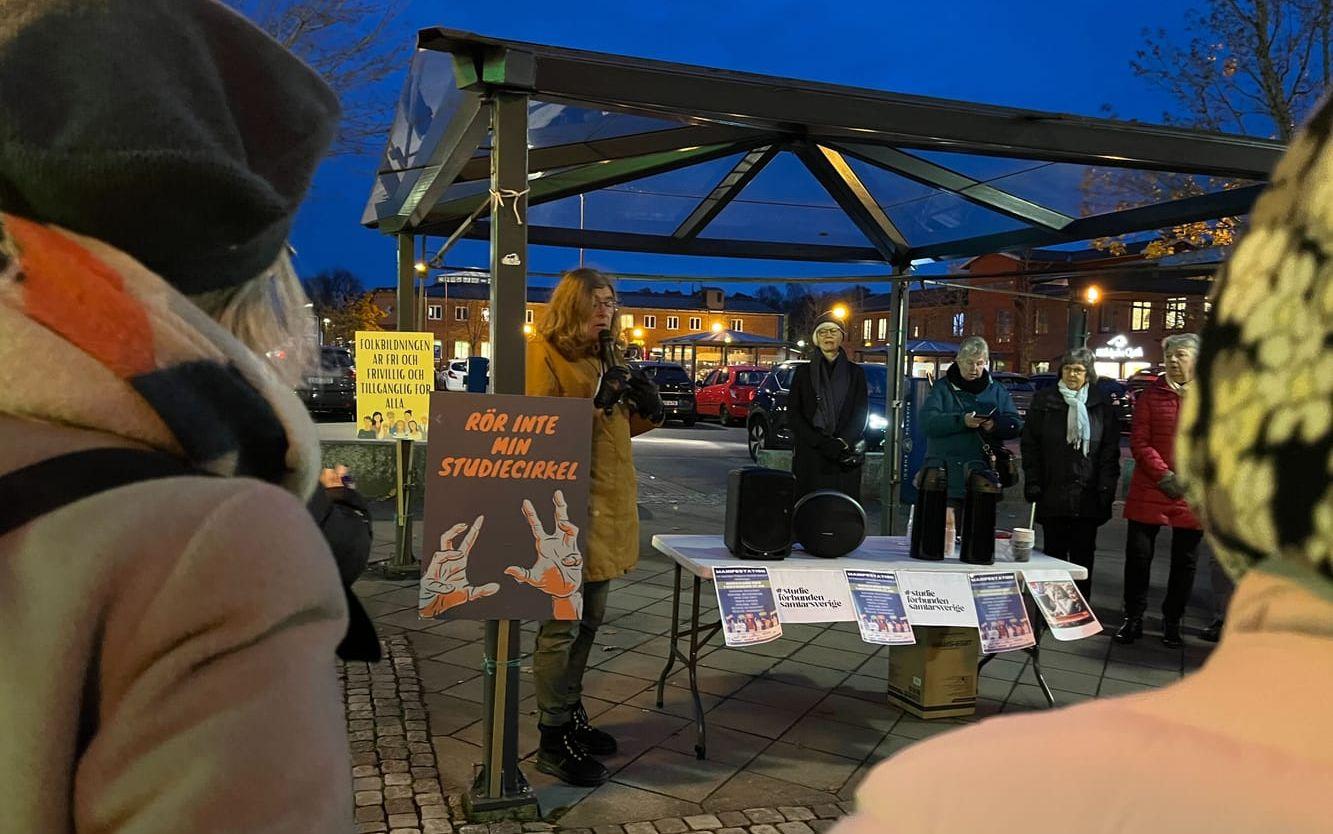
(1254, 67)
(354, 44)
(339, 296)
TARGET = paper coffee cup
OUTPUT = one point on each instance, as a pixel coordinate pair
(1025, 535)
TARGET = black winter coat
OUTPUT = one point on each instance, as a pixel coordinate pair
(815, 455)
(1057, 477)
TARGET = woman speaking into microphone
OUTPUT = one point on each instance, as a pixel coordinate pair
(574, 355)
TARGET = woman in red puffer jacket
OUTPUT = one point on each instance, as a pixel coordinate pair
(1156, 498)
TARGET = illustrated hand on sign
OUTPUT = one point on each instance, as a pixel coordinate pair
(445, 583)
(558, 570)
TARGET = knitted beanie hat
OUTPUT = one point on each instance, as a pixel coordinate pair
(1255, 442)
(174, 130)
(827, 319)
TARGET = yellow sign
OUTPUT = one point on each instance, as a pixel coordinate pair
(394, 380)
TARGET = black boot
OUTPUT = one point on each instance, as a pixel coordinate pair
(1130, 630)
(1213, 632)
(564, 758)
(1171, 634)
(595, 741)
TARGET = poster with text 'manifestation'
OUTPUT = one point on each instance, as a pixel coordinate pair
(506, 507)
(1002, 616)
(746, 607)
(879, 608)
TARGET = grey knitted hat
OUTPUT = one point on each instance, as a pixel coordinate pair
(174, 130)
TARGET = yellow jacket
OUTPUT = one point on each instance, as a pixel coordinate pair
(611, 540)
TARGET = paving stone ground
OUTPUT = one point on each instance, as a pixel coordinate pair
(793, 726)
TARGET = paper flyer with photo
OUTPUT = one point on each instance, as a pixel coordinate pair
(937, 598)
(1066, 611)
(811, 596)
(879, 608)
(1002, 616)
(746, 607)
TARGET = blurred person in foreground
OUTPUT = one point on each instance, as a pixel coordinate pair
(1157, 497)
(167, 646)
(827, 410)
(1245, 744)
(566, 359)
(1071, 462)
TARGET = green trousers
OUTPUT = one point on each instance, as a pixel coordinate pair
(561, 656)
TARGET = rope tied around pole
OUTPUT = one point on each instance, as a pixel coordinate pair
(498, 197)
(489, 664)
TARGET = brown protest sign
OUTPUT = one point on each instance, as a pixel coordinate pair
(506, 504)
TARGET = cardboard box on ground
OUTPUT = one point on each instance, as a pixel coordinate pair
(936, 677)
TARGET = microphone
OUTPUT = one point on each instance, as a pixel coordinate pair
(605, 345)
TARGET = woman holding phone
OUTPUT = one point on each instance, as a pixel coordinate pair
(964, 409)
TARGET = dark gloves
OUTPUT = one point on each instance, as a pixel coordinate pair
(854, 457)
(1171, 486)
(644, 398)
(831, 448)
(614, 385)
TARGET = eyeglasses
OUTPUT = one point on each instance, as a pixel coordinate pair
(604, 305)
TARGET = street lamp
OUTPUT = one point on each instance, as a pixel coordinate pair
(420, 266)
(840, 311)
(527, 330)
(638, 332)
(717, 327)
(326, 323)
(1092, 294)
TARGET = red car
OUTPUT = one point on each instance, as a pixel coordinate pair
(726, 392)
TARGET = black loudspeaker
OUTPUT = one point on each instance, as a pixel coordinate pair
(759, 511)
(829, 523)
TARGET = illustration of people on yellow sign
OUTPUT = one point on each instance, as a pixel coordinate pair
(557, 572)
(394, 380)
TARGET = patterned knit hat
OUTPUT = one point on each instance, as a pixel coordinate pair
(1256, 432)
(174, 130)
(828, 318)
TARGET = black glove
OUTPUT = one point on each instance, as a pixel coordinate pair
(614, 385)
(832, 448)
(644, 398)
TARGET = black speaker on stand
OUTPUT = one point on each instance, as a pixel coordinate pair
(759, 512)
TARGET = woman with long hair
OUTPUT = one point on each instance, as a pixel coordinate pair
(566, 359)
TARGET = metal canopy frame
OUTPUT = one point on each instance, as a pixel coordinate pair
(720, 113)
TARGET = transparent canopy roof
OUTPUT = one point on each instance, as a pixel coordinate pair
(631, 154)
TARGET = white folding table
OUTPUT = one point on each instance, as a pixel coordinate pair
(700, 554)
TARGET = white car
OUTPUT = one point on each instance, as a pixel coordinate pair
(453, 376)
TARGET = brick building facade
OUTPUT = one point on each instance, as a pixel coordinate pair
(458, 313)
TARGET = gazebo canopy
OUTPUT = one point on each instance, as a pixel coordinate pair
(917, 347)
(677, 159)
(726, 338)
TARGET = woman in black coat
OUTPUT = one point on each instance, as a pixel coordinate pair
(1071, 462)
(827, 410)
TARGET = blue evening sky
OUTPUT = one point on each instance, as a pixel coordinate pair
(1059, 56)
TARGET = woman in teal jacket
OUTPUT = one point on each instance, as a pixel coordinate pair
(963, 408)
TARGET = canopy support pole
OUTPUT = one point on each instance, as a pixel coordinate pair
(895, 407)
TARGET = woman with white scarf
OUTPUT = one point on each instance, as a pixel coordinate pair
(1071, 462)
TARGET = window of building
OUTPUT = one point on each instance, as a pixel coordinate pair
(486, 314)
(916, 331)
(462, 348)
(1041, 322)
(434, 312)
(1140, 316)
(460, 314)
(865, 329)
(738, 325)
(977, 326)
(673, 322)
(959, 323)
(527, 316)
(883, 329)
(696, 323)
(626, 321)
(1175, 314)
(1004, 326)
(650, 321)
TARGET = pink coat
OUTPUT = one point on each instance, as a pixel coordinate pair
(1152, 441)
(1239, 747)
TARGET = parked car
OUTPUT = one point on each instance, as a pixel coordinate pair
(1142, 379)
(452, 376)
(673, 383)
(726, 392)
(1020, 389)
(332, 388)
(767, 428)
(1040, 381)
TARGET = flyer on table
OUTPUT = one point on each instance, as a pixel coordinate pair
(395, 377)
(748, 612)
(1002, 616)
(879, 608)
(1066, 611)
(811, 596)
(937, 598)
(506, 507)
